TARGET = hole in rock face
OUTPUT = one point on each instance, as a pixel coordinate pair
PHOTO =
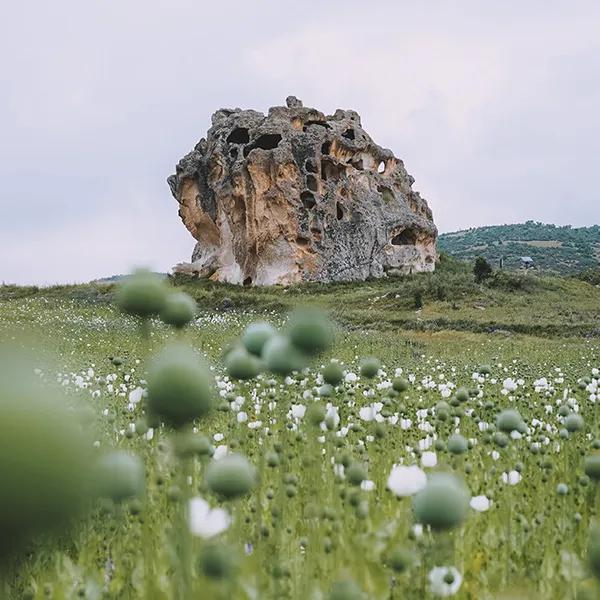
(239, 135)
(233, 152)
(319, 123)
(381, 167)
(339, 211)
(310, 165)
(331, 171)
(308, 199)
(429, 259)
(267, 141)
(311, 183)
(302, 241)
(387, 194)
(349, 134)
(326, 148)
(408, 237)
(247, 281)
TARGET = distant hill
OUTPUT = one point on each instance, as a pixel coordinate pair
(553, 248)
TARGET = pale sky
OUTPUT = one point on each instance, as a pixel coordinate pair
(493, 106)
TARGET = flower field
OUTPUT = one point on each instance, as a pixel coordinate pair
(152, 449)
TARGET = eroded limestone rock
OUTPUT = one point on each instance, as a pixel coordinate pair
(297, 195)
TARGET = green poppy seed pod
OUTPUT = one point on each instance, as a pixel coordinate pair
(256, 335)
(574, 422)
(400, 559)
(457, 444)
(443, 503)
(462, 394)
(217, 560)
(315, 413)
(369, 367)
(509, 420)
(356, 473)
(120, 476)
(281, 356)
(591, 466)
(484, 369)
(187, 444)
(180, 386)
(231, 476)
(399, 384)
(593, 551)
(142, 294)
(333, 374)
(310, 330)
(179, 310)
(45, 460)
(242, 365)
(345, 590)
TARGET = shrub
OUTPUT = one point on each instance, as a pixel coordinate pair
(482, 269)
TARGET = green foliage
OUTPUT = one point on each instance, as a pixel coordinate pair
(554, 249)
(482, 269)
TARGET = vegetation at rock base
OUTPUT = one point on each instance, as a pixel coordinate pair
(448, 450)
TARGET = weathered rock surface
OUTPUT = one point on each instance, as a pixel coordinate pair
(297, 195)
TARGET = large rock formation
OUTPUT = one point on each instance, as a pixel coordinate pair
(298, 195)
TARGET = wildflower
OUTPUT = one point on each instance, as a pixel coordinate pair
(480, 503)
(444, 581)
(406, 481)
(207, 522)
(429, 459)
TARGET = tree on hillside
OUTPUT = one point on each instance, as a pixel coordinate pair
(481, 269)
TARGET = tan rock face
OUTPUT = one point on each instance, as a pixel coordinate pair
(299, 196)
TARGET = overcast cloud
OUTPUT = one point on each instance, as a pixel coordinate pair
(493, 106)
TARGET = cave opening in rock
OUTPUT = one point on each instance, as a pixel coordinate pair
(308, 199)
(331, 171)
(339, 211)
(381, 168)
(318, 123)
(267, 141)
(312, 183)
(407, 237)
(326, 148)
(349, 134)
(247, 281)
(239, 135)
(233, 152)
(310, 165)
(302, 241)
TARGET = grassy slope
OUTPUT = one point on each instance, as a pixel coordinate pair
(523, 303)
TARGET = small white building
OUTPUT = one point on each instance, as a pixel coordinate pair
(527, 262)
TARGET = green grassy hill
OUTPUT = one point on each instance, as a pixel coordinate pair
(531, 303)
(554, 249)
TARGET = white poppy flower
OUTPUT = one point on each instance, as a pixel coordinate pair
(298, 411)
(444, 581)
(429, 459)
(204, 521)
(480, 503)
(406, 481)
(512, 477)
